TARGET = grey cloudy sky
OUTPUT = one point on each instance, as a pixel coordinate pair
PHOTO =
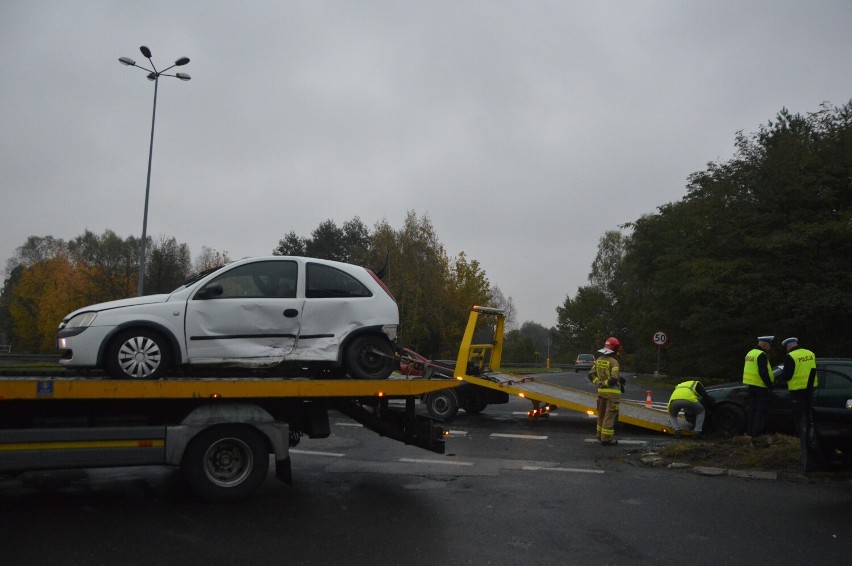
(523, 129)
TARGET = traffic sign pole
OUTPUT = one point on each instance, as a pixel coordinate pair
(660, 339)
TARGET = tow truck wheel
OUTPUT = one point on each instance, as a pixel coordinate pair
(225, 463)
(475, 406)
(370, 357)
(442, 404)
(137, 354)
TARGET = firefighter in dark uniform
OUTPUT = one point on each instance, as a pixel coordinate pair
(605, 377)
(757, 374)
(797, 368)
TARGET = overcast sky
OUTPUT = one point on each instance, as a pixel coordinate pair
(524, 130)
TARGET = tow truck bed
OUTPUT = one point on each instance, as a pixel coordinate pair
(219, 431)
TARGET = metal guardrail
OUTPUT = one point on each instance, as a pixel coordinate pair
(7, 357)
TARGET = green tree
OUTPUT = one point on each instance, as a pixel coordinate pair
(418, 274)
(36, 249)
(116, 263)
(541, 339)
(584, 322)
(168, 266)
(518, 348)
(12, 279)
(326, 242)
(291, 245)
(210, 258)
(356, 242)
(760, 244)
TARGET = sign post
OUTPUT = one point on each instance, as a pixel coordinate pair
(661, 340)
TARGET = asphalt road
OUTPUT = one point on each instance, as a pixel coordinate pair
(508, 491)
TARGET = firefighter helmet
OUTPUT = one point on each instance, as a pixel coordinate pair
(613, 344)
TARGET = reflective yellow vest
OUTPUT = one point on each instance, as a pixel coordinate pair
(805, 361)
(751, 376)
(606, 369)
(685, 390)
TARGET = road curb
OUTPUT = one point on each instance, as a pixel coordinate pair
(655, 460)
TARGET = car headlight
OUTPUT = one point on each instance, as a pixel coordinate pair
(81, 320)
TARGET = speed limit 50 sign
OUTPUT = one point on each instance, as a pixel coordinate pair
(661, 339)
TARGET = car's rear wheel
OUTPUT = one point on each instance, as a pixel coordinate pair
(728, 419)
(370, 357)
(137, 354)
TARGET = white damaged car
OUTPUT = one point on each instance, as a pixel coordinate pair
(292, 312)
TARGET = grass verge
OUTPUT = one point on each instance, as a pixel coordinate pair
(768, 452)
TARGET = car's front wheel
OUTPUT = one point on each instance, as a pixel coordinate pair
(370, 357)
(728, 419)
(137, 354)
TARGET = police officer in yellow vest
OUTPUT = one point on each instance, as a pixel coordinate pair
(685, 398)
(757, 374)
(797, 368)
(605, 377)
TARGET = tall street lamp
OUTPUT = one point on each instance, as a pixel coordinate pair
(153, 75)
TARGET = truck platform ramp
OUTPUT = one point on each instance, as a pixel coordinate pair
(546, 396)
(479, 363)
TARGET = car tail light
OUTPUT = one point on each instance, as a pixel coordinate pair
(382, 284)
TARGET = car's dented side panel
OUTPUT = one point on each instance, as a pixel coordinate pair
(253, 331)
(344, 314)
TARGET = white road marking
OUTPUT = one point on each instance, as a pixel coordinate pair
(458, 433)
(444, 462)
(659, 405)
(521, 436)
(574, 470)
(620, 441)
(350, 424)
(315, 453)
(524, 413)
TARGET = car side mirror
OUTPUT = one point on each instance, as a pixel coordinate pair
(210, 291)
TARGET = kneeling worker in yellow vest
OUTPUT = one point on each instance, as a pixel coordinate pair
(685, 398)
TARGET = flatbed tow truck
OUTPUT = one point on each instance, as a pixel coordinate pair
(479, 364)
(219, 431)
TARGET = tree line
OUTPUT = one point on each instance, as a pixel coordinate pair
(760, 245)
(48, 278)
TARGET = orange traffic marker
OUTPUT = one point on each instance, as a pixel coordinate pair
(648, 402)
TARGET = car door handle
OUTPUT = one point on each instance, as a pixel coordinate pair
(291, 313)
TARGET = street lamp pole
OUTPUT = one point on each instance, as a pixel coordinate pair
(153, 75)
